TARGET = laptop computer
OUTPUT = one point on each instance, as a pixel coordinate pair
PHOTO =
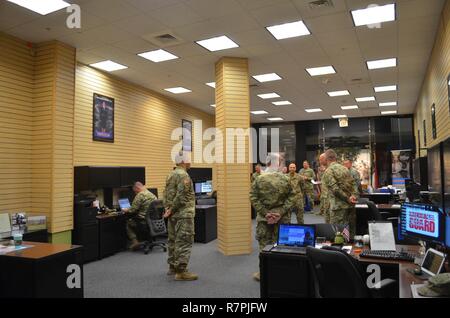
(294, 238)
(124, 204)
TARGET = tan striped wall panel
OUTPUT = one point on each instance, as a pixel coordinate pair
(144, 121)
(233, 179)
(435, 87)
(16, 100)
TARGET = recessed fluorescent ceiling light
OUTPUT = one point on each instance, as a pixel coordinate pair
(313, 110)
(349, 107)
(109, 66)
(282, 103)
(388, 104)
(213, 105)
(377, 64)
(324, 70)
(158, 56)
(269, 96)
(389, 88)
(275, 119)
(42, 7)
(374, 14)
(288, 30)
(365, 99)
(178, 90)
(218, 43)
(259, 112)
(267, 77)
(339, 116)
(212, 84)
(389, 112)
(338, 93)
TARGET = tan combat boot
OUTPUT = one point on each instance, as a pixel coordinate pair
(256, 276)
(185, 276)
(134, 245)
(171, 271)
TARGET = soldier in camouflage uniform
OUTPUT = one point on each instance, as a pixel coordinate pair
(257, 172)
(324, 201)
(138, 210)
(297, 188)
(308, 188)
(355, 174)
(179, 201)
(341, 192)
(272, 198)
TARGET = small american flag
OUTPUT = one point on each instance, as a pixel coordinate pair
(346, 233)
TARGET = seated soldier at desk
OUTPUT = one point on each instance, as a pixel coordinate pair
(138, 210)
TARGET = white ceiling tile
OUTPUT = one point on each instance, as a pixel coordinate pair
(176, 15)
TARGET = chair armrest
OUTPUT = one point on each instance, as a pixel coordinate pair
(388, 288)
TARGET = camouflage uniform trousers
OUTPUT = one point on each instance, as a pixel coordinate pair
(180, 240)
(345, 217)
(135, 225)
(299, 213)
(266, 234)
(325, 209)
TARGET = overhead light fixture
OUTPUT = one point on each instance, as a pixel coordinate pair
(385, 63)
(282, 103)
(178, 90)
(323, 70)
(339, 116)
(42, 7)
(388, 104)
(213, 105)
(158, 56)
(269, 96)
(313, 110)
(288, 30)
(389, 112)
(108, 66)
(211, 84)
(349, 107)
(218, 43)
(259, 112)
(338, 93)
(267, 77)
(365, 99)
(374, 15)
(275, 119)
(389, 88)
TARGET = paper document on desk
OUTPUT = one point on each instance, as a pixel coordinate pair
(5, 249)
(381, 236)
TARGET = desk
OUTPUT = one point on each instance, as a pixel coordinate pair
(30, 236)
(112, 235)
(205, 223)
(40, 271)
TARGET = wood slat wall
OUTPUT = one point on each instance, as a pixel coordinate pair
(233, 180)
(16, 117)
(144, 121)
(435, 87)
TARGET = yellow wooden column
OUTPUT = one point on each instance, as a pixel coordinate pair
(233, 179)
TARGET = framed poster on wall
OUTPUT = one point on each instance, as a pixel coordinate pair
(448, 85)
(433, 121)
(187, 135)
(103, 118)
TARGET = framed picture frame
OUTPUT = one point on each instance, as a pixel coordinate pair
(187, 135)
(448, 86)
(103, 118)
(433, 121)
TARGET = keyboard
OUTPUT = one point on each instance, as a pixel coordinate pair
(388, 255)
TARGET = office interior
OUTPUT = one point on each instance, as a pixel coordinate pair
(368, 79)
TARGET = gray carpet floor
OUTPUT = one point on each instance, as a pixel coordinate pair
(135, 275)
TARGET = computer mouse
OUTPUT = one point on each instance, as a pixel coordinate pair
(417, 271)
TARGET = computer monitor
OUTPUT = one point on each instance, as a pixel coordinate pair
(296, 235)
(124, 203)
(435, 175)
(423, 222)
(203, 187)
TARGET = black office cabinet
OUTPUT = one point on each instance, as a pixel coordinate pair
(130, 175)
(112, 235)
(91, 178)
(285, 276)
(205, 223)
(87, 236)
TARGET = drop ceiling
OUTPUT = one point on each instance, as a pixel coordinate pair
(120, 29)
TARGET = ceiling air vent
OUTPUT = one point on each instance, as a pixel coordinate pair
(321, 4)
(163, 39)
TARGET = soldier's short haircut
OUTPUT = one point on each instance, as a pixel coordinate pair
(330, 155)
(272, 158)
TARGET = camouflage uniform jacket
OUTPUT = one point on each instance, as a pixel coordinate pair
(271, 192)
(355, 175)
(339, 185)
(179, 194)
(297, 187)
(141, 203)
(309, 173)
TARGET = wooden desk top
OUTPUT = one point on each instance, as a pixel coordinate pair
(41, 250)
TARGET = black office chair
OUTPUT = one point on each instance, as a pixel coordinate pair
(337, 275)
(363, 216)
(328, 231)
(156, 227)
